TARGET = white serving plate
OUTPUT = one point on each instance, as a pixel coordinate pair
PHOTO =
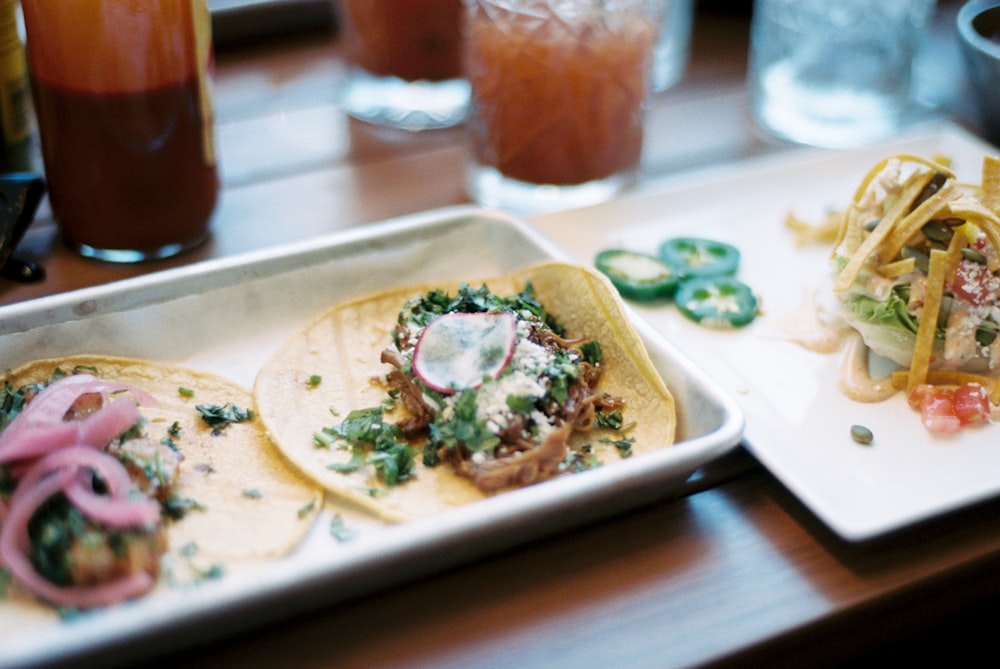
(797, 421)
(228, 316)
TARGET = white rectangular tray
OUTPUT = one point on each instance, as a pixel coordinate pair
(227, 316)
(798, 423)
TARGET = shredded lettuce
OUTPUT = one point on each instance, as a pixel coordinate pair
(891, 312)
(887, 326)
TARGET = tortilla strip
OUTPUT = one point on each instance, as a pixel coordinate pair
(984, 219)
(911, 224)
(881, 232)
(343, 347)
(867, 180)
(990, 183)
(924, 345)
(897, 269)
(946, 377)
(851, 224)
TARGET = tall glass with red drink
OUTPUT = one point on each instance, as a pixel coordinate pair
(404, 62)
(558, 95)
(125, 121)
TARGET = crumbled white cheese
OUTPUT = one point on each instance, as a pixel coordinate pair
(523, 379)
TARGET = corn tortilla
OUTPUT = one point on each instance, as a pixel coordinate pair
(342, 348)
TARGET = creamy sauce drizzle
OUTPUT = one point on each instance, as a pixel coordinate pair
(812, 330)
(855, 381)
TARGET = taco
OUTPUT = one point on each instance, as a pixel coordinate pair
(421, 399)
(118, 476)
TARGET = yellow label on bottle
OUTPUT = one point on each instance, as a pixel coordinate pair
(202, 19)
(15, 122)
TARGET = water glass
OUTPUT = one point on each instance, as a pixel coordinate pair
(404, 62)
(834, 74)
(558, 95)
(670, 57)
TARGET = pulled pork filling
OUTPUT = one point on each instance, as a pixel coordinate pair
(533, 444)
(514, 429)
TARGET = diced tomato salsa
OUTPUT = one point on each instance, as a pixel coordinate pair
(947, 409)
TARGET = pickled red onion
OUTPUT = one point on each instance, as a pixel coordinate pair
(15, 545)
(54, 400)
(35, 437)
(76, 464)
(48, 455)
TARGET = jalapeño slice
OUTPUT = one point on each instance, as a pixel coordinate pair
(637, 276)
(717, 301)
(695, 256)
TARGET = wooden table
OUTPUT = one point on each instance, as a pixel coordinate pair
(734, 572)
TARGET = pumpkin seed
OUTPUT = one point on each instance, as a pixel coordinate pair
(973, 255)
(922, 259)
(862, 434)
(937, 231)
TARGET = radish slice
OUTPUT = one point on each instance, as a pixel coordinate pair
(458, 351)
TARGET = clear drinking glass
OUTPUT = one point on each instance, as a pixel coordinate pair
(834, 73)
(404, 62)
(558, 95)
(670, 57)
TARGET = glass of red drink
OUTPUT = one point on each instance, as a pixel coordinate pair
(404, 62)
(558, 95)
(125, 122)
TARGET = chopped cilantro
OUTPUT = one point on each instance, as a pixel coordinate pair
(133, 432)
(218, 417)
(562, 372)
(340, 531)
(314, 380)
(591, 351)
(323, 438)
(431, 457)
(579, 461)
(360, 425)
(611, 420)
(390, 454)
(252, 493)
(307, 509)
(178, 507)
(624, 445)
(11, 402)
(521, 403)
(463, 427)
(189, 551)
(173, 432)
(352, 465)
